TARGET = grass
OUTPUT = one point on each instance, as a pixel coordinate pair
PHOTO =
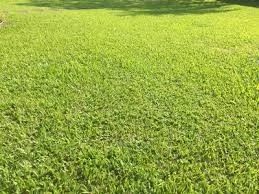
(129, 97)
(1, 18)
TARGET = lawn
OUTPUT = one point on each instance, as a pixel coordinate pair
(129, 96)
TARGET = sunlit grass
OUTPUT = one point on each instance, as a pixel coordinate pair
(128, 98)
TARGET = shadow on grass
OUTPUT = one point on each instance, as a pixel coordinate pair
(134, 6)
(153, 7)
(250, 3)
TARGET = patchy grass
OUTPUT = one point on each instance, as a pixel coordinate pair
(1, 18)
(126, 96)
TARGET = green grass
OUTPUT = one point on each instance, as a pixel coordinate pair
(129, 96)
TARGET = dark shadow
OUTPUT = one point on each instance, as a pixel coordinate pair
(134, 7)
(250, 3)
(153, 7)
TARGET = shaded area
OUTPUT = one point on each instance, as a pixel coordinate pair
(137, 6)
(250, 3)
(145, 6)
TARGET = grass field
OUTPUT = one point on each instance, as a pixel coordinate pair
(129, 96)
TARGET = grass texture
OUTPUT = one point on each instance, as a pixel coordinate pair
(129, 96)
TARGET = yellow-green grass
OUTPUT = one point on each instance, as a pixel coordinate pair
(1, 18)
(129, 96)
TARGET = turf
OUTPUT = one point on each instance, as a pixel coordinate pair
(129, 96)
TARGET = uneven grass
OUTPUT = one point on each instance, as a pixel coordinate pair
(133, 97)
(1, 18)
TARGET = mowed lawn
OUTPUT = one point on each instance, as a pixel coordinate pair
(129, 96)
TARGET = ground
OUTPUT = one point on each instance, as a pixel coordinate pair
(129, 96)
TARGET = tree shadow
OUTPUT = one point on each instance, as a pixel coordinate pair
(250, 3)
(153, 7)
(134, 7)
